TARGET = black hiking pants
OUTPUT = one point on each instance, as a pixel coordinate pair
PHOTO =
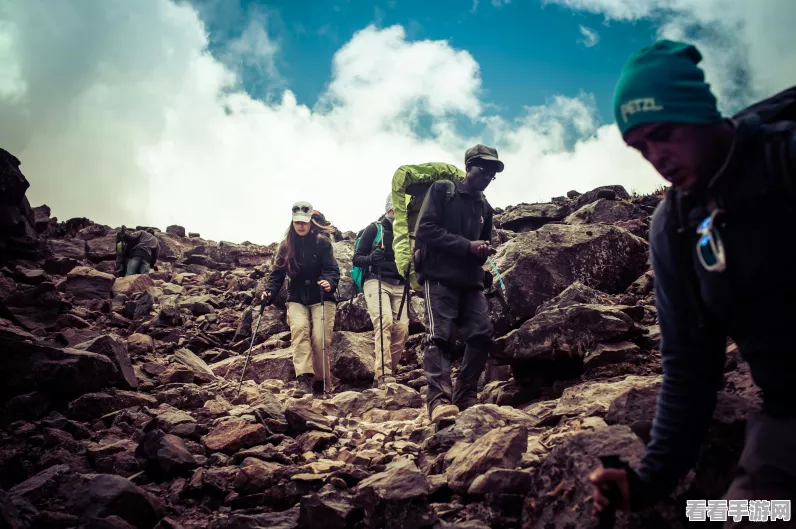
(467, 309)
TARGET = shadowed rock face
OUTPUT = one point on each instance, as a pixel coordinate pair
(119, 400)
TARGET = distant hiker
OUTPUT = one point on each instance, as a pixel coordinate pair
(306, 258)
(721, 248)
(121, 253)
(453, 233)
(372, 258)
(142, 248)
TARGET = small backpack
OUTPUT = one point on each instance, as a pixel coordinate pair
(357, 272)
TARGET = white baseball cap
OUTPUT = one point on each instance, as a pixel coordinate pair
(302, 212)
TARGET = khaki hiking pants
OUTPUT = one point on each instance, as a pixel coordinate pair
(306, 336)
(395, 332)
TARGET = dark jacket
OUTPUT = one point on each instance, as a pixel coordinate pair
(361, 258)
(144, 245)
(316, 261)
(444, 232)
(752, 301)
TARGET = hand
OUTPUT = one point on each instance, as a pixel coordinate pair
(481, 249)
(325, 284)
(601, 479)
(377, 256)
(267, 299)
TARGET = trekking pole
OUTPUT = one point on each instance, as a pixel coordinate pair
(497, 273)
(323, 342)
(248, 355)
(381, 325)
(405, 294)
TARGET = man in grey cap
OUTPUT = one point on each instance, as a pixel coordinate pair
(453, 236)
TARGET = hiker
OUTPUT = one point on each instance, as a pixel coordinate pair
(390, 332)
(721, 252)
(306, 258)
(142, 249)
(453, 242)
(121, 253)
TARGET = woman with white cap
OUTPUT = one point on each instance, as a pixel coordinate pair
(306, 258)
(388, 329)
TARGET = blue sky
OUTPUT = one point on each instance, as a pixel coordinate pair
(527, 51)
(218, 115)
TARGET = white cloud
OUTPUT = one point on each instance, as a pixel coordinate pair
(590, 37)
(749, 48)
(120, 114)
(500, 3)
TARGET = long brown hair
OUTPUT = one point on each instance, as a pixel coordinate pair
(286, 255)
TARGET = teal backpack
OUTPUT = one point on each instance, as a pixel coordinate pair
(358, 273)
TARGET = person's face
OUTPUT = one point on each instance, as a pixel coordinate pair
(302, 228)
(390, 214)
(679, 151)
(481, 174)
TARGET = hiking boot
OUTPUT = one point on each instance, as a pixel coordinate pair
(443, 411)
(304, 384)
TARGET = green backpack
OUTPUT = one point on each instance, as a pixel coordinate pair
(358, 273)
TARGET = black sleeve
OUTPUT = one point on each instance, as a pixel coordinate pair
(277, 276)
(362, 256)
(330, 270)
(430, 230)
(155, 252)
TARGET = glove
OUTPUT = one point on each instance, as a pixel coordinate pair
(487, 279)
(266, 300)
(377, 256)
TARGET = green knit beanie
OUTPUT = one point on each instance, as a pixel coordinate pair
(662, 83)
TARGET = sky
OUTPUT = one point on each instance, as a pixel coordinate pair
(218, 115)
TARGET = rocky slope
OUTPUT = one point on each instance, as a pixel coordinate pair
(119, 405)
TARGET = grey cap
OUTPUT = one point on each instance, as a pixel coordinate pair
(482, 152)
(388, 205)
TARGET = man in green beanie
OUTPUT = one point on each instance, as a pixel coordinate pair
(722, 251)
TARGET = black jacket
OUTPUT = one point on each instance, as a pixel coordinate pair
(362, 256)
(315, 257)
(444, 232)
(144, 245)
(752, 301)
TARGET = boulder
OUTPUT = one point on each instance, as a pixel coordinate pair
(500, 448)
(34, 307)
(140, 344)
(231, 436)
(538, 265)
(352, 357)
(102, 248)
(566, 334)
(606, 211)
(165, 454)
(61, 373)
(528, 217)
(562, 490)
(200, 369)
(614, 192)
(610, 353)
(18, 236)
(328, 510)
(130, 285)
(67, 248)
(105, 495)
(85, 282)
(276, 364)
(353, 316)
(115, 348)
(595, 398)
(177, 231)
(91, 406)
(396, 498)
